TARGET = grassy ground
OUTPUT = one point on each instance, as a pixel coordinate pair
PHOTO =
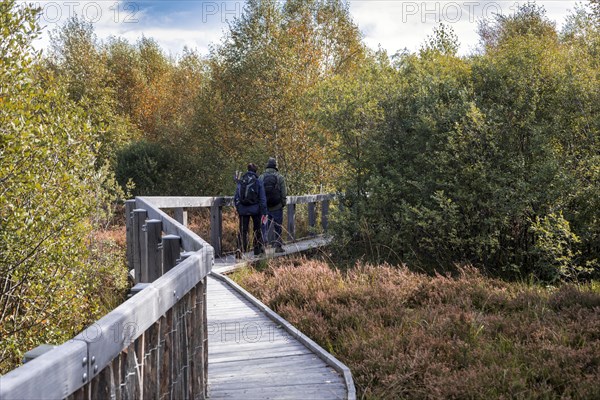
(408, 335)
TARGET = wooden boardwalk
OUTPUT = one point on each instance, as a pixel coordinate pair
(255, 354)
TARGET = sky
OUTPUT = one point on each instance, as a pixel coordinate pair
(393, 25)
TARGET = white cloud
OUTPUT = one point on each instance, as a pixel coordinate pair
(396, 25)
(393, 24)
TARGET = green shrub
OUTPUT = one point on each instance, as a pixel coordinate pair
(51, 195)
(489, 160)
(148, 166)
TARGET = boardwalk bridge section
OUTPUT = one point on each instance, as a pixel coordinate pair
(188, 332)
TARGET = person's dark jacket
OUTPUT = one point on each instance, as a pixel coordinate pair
(280, 182)
(253, 209)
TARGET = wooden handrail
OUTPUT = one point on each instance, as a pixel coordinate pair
(192, 202)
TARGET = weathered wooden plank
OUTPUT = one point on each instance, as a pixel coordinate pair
(312, 218)
(291, 221)
(265, 341)
(152, 257)
(231, 345)
(252, 355)
(139, 219)
(227, 302)
(325, 215)
(129, 207)
(244, 320)
(178, 352)
(55, 374)
(309, 198)
(322, 376)
(171, 250)
(270, 364)
(131, 383)
(196, 353)
(81, 394)
(181, 216)
(191, 202)
(250, 327)
(293, 392)
(216, 227)
(116, 379)
(187, 202)
(103, 384)
(188, 334)
(165, 354)
(247, 345)
(204, 290)
(151, 370)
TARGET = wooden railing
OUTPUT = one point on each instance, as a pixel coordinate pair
(216, 204)
(154, 345)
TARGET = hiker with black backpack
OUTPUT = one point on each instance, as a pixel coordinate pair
(276, 194)
(251, 203)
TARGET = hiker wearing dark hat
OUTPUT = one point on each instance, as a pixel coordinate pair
(251, 203)
(276, 193)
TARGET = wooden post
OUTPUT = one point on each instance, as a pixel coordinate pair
(171, 247)
(205, 336)
(181, 216)
(129, 207)
(325, 215)
(139, 219)
(312, 218)
(152, 265)
(291, 221)
(216, 227)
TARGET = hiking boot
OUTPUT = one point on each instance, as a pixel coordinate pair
(279, 249)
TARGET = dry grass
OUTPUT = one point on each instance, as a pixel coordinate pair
(407, 335)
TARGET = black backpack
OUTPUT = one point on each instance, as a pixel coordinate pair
(272, 190)
(249, 189)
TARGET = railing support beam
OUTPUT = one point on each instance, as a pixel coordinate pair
(171, 247)
(139, 244)
(152, 264)
(325, 215)
(216, 227)
(129, 207)
(181, 216)
(312, 218)
(291, 221)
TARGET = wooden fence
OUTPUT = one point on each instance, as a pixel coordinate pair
(154, 345)
(216, 204)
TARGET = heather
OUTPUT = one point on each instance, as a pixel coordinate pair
(409, 335)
